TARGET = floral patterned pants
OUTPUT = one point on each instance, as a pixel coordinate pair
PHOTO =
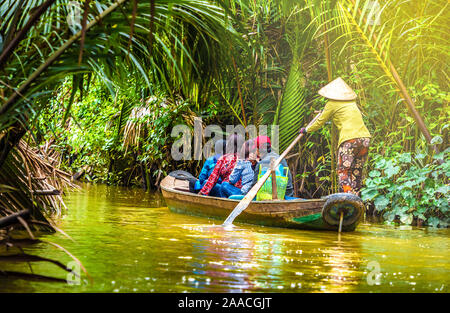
(352, 154)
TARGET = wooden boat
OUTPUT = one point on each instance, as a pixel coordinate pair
(311, 214)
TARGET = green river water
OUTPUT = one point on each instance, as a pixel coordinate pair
(130, 242)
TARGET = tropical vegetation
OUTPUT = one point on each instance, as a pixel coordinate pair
(100, 84)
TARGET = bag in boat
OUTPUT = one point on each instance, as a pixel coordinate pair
(265, 193)
(182, 175)
(184, 181)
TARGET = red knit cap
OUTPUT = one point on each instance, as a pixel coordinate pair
(260, 140)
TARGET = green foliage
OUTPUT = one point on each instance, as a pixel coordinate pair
(291, 109)
(121, 140)
(406, 189)
(152, 145)
(86, 138)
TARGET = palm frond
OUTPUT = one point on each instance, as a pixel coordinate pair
(376, 39)
(32, 174)
(291, 109)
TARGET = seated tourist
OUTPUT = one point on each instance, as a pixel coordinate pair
(208, 167)
(264, 152)
(253, 158)
(242, 172)
(223, 168)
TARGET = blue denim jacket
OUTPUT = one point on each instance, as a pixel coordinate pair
(243, 170)
(206, 171)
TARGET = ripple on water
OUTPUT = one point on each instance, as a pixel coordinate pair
(130, 242)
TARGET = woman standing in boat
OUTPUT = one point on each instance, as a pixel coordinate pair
(354, 137)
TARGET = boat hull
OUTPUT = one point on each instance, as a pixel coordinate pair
(296, 214)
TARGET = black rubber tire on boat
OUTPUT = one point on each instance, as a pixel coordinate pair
(351, 205)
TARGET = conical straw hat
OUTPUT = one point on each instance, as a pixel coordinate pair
(338, 90)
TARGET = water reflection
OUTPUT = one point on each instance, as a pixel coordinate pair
(343, 265)
(243, 259)
(130, 242)
(222, 256)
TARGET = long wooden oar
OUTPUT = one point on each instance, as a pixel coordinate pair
(243, 204)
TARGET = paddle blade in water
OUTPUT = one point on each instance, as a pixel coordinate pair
(237, 210)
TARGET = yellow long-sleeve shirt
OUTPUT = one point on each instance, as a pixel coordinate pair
(347, 118)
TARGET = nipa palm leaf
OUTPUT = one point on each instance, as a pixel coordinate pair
(292, 107)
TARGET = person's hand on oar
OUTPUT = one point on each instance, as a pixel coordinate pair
(244, 203)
